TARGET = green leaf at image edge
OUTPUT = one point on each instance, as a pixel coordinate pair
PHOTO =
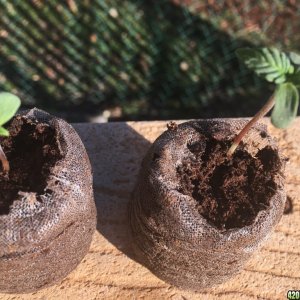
(9, 105)
(286, 105)
(3, 132)
(295, 58)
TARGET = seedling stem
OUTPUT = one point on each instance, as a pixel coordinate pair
(260, 114)
(4, 161)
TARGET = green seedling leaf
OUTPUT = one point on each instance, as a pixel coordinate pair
(3, 131)
(9, 104)
(286, 105)
(295, 58)
(268, 63)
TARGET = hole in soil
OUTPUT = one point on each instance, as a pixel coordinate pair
(288, 208)
(229, 192)
(155, 156)
(263, 134)
(232, 262)
(32, 150)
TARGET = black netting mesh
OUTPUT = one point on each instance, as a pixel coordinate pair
(154, 59)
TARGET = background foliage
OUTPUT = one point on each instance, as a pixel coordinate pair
(153, 59)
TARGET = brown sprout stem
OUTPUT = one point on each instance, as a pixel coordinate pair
(4, 161)
(260, 114)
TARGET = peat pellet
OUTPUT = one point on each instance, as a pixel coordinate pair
(47, 210)
(196, 214)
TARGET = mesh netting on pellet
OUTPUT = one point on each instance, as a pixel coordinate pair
(153, 59)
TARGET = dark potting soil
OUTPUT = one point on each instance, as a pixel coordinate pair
(229, 191)
(32, 149)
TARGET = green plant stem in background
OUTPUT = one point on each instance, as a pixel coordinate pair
(9, 105)
(281, 68)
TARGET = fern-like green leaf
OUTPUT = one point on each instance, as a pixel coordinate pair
(268, 63)
(286, 105)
